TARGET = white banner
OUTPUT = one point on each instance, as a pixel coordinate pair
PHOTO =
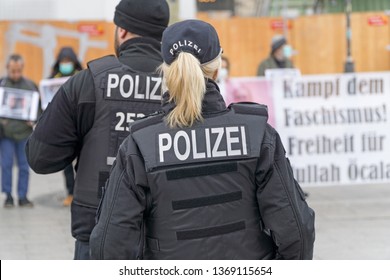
(48, 88)
(18, 104)
(335, 128)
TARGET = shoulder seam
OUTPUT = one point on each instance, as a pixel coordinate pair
(250, 109)
(98, 70)
(146, 122)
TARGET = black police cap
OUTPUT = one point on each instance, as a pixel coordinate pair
(193, 36)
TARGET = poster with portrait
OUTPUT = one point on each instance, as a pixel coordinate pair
(18, 104)
(48, 88)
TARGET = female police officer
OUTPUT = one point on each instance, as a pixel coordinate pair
(199, 180)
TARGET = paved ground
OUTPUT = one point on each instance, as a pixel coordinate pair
(352, 222)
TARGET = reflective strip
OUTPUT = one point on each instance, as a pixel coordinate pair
(110, 160)
(210, 231)
(206, 200)
(209, 169)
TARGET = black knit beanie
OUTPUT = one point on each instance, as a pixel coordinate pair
(147, 18)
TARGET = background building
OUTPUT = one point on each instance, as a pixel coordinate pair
(316, 29)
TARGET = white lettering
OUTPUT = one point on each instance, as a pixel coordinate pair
(195, 153)
(153, 95)
(217, 143)
(147, 91)
(208, 142)
(136, 94)
(188, 43)
(164, 147)
(187, 151)
(113, 82)
(230, 140)
(131, 86)
(130, 119)
(123, 125)
(119, 125)
(134, 86)
(198, 144)
(243, 137)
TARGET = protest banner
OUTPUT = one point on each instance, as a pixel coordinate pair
(48, 88)
(251, 89)
(335, 128)
(18, 104)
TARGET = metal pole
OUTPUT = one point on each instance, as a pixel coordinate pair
(349, 64)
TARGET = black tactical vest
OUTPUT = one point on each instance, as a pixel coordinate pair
(123, 95)
(202, 186)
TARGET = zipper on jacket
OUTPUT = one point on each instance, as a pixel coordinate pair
(109, 215)
(294, 211)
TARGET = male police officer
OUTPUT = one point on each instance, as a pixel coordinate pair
(89, 116)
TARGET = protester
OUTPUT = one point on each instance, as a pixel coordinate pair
(199, 180)
(279, 57)
(88, 118)
(66, 65)
(14, 137)
(223, 77)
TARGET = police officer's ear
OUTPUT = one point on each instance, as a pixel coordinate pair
(122, 33)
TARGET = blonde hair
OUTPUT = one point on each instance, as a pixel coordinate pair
(185, 80)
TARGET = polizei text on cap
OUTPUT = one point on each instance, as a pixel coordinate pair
(183, 43)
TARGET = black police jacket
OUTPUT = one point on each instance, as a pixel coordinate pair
(87, 120)
(222, 189)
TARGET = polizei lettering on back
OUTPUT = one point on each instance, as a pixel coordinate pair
(133, 87)
(202, 143)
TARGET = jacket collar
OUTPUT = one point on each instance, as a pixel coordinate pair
(142, 54)
(133, 43)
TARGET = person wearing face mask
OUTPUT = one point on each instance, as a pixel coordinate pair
(223, 76)
(229, 90)
(223, 73)
(279, 58)
(66, 65)
(89, 116)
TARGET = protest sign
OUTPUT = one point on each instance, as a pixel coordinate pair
(48, 88)
(18, 104)
(335, 128)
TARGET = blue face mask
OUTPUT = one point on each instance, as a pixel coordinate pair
(66, 68)
(287, 51)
